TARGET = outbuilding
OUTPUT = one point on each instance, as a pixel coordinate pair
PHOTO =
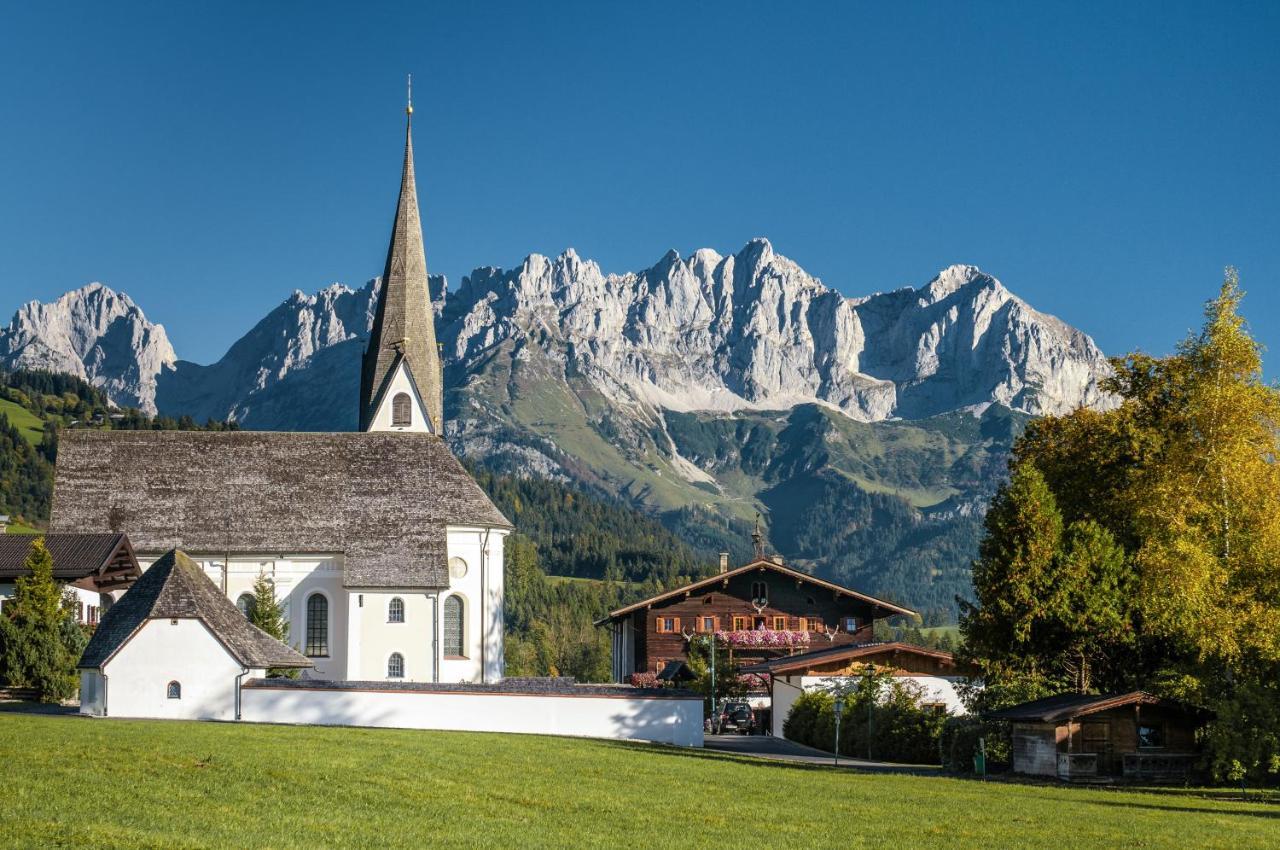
(1098, 738)
(175, 647)
(96, 568)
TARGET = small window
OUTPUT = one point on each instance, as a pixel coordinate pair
(245, 604)
(1150, 736)
(816, 624)
(706, 600)
(759, 591)
(667, 625)
(395, 666)
(706, 624)
(739, 623)
(317, 626)
(395, 610)
(175, 690)
(850, 624)
(401, 411)
(780, 624)
(453, 630)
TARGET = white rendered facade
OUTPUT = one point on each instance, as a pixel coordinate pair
(359, 635)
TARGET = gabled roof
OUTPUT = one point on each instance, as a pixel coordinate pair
(176, 588)
(759, 564)
(1064, 707)
(382, 499)
(847, 652)
(75, 556)
(381, 395)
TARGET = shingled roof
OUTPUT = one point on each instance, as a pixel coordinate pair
(75, 556)
(1064, 707)
(381, 499)
(176, 588)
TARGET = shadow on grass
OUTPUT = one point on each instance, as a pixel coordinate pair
(1131, 804)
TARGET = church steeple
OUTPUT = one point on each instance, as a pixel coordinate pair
(403, 339)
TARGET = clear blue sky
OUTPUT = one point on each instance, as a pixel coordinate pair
(1104, 161)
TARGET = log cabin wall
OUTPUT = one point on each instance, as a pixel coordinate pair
(788, 598)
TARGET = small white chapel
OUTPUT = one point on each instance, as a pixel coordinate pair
(385, 552)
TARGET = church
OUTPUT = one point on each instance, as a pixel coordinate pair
(385, 552)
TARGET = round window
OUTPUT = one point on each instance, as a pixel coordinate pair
(457, 568)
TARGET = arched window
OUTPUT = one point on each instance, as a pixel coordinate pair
(759, 591)
(175, 690)
(401, 411)
(245, 604)
(395, 666)
(317, 626)
(395, 610)
(453, 627)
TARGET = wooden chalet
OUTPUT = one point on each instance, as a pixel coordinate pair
(1092, 738)
(99, 567)
(759, 610)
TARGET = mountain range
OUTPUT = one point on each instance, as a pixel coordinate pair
(869, 431)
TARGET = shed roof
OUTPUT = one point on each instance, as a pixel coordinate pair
(846, 652)
(176, 588)
(888, 608)
(75, 556)
(381, 499)
(1064, 707)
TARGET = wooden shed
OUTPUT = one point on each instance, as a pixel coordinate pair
(1098, 738)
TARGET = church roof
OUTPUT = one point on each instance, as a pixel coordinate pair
(176, 588)
(382, 499)
(403, 323)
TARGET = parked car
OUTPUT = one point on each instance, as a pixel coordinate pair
(737, 717)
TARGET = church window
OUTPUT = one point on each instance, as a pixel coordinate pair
(175, 690)
(457, 568)
(245, 604)
(395, 610)
(317, 626)
(401, 411)
(395, 666)
(453, 627)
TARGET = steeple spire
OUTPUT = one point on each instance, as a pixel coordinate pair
(404, 324)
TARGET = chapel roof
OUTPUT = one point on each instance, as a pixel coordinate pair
(381, 499)
(176, 588)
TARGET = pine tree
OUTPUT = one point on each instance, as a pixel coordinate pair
(36, 650)
(266, 612)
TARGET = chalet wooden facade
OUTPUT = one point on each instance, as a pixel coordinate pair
(1089, 738)
(760, 610)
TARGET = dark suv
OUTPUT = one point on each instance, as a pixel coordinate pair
(737, 717)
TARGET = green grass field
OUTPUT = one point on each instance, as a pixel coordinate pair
(111, 783)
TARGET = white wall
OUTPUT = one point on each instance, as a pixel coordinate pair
(161, 651)
(664, 720)
(400, 383)
(377, 637)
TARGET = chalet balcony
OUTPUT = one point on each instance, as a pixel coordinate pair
(1078, 767)
(1158, 767)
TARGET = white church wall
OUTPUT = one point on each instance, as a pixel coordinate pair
(164, 651)
(382, 420)
(663, 720)
(296, 577)
(378, 637)
(481, 592)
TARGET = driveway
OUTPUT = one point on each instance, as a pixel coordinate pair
(780, 749)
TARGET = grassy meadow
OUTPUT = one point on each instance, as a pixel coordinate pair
(113, 783)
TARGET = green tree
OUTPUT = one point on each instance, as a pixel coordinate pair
(39, 643)
(266, 612)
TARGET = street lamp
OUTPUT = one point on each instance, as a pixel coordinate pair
(838, 706)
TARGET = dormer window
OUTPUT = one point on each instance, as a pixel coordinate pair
(401, 411)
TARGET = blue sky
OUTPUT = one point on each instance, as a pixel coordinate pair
(1105, 161)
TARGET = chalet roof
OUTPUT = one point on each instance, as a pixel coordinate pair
(176, 588)
(381, 499)
(1064, 707)
(846, 652)
(75, 556)
(888, 608)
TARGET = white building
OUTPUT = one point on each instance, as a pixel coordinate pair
(932, 673)
(385, 552)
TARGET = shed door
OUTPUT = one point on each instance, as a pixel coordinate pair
(1095, 737)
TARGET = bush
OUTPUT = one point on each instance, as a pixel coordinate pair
(960, 742)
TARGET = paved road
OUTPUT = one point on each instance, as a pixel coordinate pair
(780, 749)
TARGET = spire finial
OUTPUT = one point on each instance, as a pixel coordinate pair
(409, 108)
